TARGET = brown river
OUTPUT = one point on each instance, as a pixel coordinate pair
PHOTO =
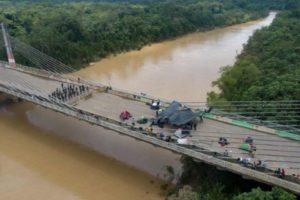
(46, 155)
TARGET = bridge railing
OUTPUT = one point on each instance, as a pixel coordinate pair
(70, 78)
(142, 97)
(67, 78)
(145, 136)
(257, 121)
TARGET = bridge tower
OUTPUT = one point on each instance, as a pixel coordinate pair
(10, 56)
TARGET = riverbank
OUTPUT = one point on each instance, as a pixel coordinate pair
(258, 74)
(181, 69)
(176, 37)
(78, 174)
(268, 70)
(90, 31)
(201, 181)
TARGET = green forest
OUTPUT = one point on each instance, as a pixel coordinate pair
(269, 66)
(77, 33)
(200, 181)
(268, 69)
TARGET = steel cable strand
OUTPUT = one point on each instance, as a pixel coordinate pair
(36, 60)
(45, 57)
(27, 54)
(201, 132)
(46, 61)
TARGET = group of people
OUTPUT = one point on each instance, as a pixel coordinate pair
(244, 161)
(68, 91)
(223, 141)
(280, 172)
(260, 164)
(247, 162)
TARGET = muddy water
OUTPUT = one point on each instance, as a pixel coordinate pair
(43, 154)
(37, 164)
(181, 69)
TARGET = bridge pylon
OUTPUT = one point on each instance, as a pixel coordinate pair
(9, 53)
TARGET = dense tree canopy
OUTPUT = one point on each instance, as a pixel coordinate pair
(268, 69)
(200, 181)
(258, 194)
(77, 33)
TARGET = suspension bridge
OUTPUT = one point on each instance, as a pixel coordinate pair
(51, 84)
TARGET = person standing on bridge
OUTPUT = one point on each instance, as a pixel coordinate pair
(277, 172)
(282, 173)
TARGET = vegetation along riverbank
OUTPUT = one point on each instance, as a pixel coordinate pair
(268, 69)
(203, 182)
(77, 33)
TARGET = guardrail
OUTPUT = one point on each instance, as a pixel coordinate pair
(141, 135)
(72, 79)
(51, 75)
(148, 99)
(247, 125)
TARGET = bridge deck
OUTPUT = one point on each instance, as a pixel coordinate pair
(27, 82)
(111, 106)
(276, 151)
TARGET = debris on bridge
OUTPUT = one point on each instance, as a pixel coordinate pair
(177, 115)
(223, 141)
(245, 147)
(105, 108)
(125, 115)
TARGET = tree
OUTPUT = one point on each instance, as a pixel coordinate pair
(78, 33)
(185, 193)
(258, 194)
(268, 69)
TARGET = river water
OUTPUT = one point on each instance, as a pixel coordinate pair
(44, 155)
(181, 69)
